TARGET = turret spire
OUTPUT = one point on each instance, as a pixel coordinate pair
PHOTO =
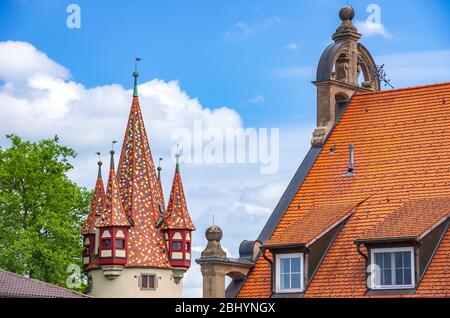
(136, 75)
(177, 156)
(159, 169)
(114, 214)
(99, 175)
(97, 204)
(141, 194)
(177, 215)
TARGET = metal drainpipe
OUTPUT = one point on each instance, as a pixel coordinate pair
(358, 248)
(263, 252)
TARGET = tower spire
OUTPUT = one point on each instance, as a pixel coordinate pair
(177, 156)
(136, 75)
(99, 175)
(177, 215)
(97, 204)
(112, 152)
(159, 169)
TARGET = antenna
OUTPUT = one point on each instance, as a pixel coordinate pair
(213, 219)
(112, 144)
(98, 154)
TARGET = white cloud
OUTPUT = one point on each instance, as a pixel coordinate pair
(243, 29)
(291, 46)
(21, 60)
(258, 99)
(38, 99)
(369, 28)
(260, 199)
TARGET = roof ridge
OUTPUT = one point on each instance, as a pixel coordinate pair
(402, 89)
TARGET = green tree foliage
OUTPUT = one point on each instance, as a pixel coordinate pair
(41, 210)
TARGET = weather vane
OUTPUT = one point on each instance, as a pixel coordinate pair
(112, 145)
(177, 155)
(380, 74)
(136, 62)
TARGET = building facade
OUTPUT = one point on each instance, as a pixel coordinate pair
(133, 245)
(367, 212)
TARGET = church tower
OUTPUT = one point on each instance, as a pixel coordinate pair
(136, 239)
(345, 67)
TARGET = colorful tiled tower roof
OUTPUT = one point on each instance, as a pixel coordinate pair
(177, 215)
(141, 194)
(113, 215)
(97, 204)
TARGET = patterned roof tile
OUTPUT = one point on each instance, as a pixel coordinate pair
(177, 215)
(141, 194)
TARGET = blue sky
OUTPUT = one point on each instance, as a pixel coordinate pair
(204, 44)
(231, 64)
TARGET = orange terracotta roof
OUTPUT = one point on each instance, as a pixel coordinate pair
(436, 282)
(141, 194)
(97, 205)
(413, 219)
(319, 220)
(177, 215)
(401, 144)
(113, 215)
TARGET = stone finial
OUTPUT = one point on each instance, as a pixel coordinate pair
(346, 29)
(347, 13)
(214, 235)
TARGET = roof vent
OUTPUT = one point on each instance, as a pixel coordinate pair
(351, 166)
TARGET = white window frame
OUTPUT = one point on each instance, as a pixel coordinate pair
(392, 250)
(278, 273)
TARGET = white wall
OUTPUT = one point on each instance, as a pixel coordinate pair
(127, 284)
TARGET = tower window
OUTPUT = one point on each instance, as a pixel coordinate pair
(392, 268)
(177, 246)
(120, 243)
(148, 281)
(289, 273)
(107, 243)
(188, 246)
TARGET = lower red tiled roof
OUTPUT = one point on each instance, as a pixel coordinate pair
(318, 220)
(401, 144)
(413, 219)
(13, 285)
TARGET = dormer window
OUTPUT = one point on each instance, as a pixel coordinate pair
(289, 273)
(392, 268)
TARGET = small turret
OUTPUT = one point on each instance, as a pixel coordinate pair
(113, 225)
(177, 225)
(88, 230)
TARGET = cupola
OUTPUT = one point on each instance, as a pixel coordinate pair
(345, 68)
